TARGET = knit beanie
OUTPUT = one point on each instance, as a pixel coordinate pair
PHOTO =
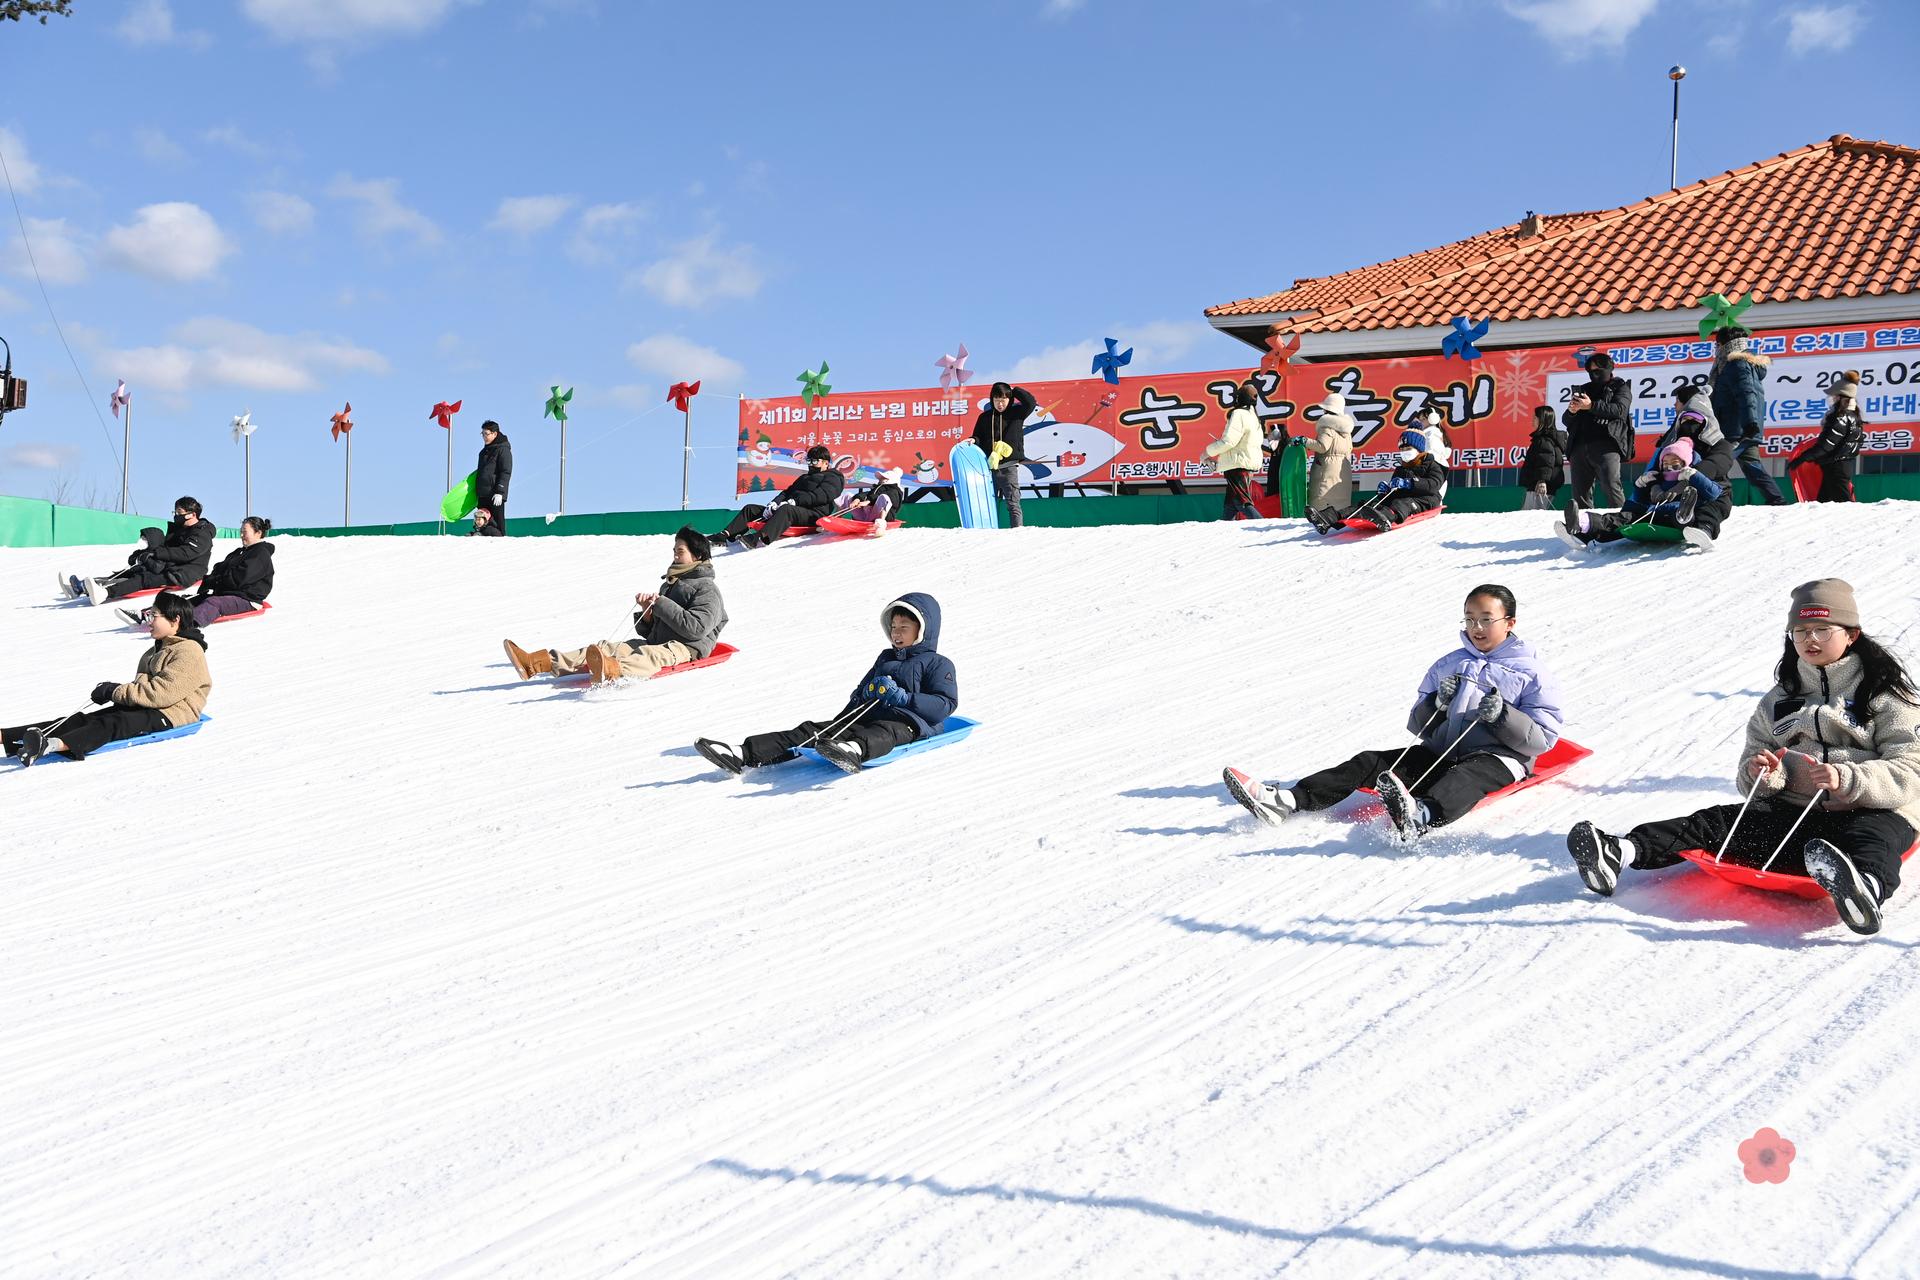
(1681, 446)
(1411, 439)
(1827, 600)
(1847, 384)
(696, 543)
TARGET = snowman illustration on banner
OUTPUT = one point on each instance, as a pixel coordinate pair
(1061, 451)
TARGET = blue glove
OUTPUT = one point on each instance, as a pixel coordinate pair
(1401, 482)
(1492, 707)
(886, 691)
(1383, 487)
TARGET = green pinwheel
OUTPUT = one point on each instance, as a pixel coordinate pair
(557, 409)
(557, 404)
(813, 386)
(1722, 314)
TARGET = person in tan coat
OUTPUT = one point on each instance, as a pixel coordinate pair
(1330, 482)
(169, 691)
(1237, 453)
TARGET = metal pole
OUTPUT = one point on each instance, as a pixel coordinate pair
(686, 458)
(346, 517)
(247, 446)
(1676, 74)
(563, 466)
(126, 451)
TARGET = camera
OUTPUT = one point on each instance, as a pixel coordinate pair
(13, 391)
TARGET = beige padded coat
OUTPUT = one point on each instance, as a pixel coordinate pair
(173, 680)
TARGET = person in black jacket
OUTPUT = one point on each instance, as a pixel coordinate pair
(1599, 421)
(906, 695)
(804, 501)
(493, 475)
(238, 584)
(878, 503)
(1544, 469)
(177, 558)
(1838, 444)
(1001, 433)
(1417, 484)
(1740, 404)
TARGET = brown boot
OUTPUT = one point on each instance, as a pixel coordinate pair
(528, 665)
(602, 667)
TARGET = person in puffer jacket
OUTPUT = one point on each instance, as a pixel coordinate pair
(813, 495)
(905, 696)
(1830, 770)
(1545, 468)
(1483, 714)
(239, 584)
(169, 692)
(1236, 454)
(174, 557)
(1330, 482)
(1832, 452)
(1740, 405)
(1668, 493)
(1417, 484)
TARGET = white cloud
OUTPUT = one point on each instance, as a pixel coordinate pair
(235, 139)
(601, 226)
(157, 147)
(20, 165)
(1158, 346)
(528, 215)
(1577, 27)
(32, 455)
(151, 22)
(631, 395)
(56, 249)
(343, 21)
(381, 213)
(174, 241)
(214, 352)
(678, 359)
(700, 272)
(280, 212)
(1823, 28)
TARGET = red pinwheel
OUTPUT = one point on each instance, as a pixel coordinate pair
(683, 392)
(341, 422)
(1280, 350)
(443, 412)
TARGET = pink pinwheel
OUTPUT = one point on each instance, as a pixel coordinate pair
(118, 400)
(341, 422)
(443, 412)
(683, 392)
(953, 369)
(1279, 352)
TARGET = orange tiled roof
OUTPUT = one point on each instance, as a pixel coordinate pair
(1839, 218)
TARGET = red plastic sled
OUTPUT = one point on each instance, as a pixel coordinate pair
(1771, 881)
(251, 613)
(841, 527)
(793, 530)
(150, 591)
(1807, 479)
(721, 652)
(1362, 525)
(1558, 758)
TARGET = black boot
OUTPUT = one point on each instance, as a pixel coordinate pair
(1855, 895)
(843, 754)
(1409, 815)
(1597, 854)
(33, 745)
(721, 756)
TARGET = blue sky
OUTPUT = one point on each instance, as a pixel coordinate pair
(282, 205)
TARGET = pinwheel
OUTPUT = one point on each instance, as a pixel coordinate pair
(1460, 341)
(813, 386)
(243, 427)
(122, 399)
(1721, 313)
(442, 413)
(1280, 352)
(343, 425)
(682, 394)
(953, 369)
(118, 400)
(557, 408)
(1108, 364)
(1582, 354)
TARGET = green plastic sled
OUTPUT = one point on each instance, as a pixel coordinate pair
(460, 500)
(1644, 532)
(1293, 480)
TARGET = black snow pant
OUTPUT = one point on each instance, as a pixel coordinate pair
(1396, 507)
(1596, 474)
(1747, 453)
(1006, 487)
(776, 520)
(876, 738)
(1605, 526)
(91, 730)
(1450, 791)
(137, 578)
(1873, 838)
(1238, 500)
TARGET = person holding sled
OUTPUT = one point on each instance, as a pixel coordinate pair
(169, 691)
(1830, 770)
(1667, 494)
(1416, 485)
(804, 501)
(907, 695)
(1543, 470)
(176, 558)
(876, 504)
(1834, 449)
(1483, 714)
(1236, 454)
(1001, 433)
(1330, 482)
(240, 583)
(678, 623)
(492, 474)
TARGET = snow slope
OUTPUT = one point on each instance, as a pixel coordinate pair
(402, 968)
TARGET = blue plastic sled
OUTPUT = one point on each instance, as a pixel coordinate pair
(973, 487)
(181, 732)
(955, 728)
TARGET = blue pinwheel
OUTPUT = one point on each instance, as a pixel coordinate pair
(1722, 313)
(1580, 355)
(1460, 341)
(1107, 363)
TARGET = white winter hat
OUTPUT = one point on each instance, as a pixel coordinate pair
(1334, 403)
(892, 475)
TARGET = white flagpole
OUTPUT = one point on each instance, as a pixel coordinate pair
(347, 517)
(126, 452)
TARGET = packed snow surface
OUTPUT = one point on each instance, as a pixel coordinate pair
(401, 967)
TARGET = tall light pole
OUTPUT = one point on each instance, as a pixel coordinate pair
(1675, 73)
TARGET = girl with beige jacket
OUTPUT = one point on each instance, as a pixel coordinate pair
(1330, 481)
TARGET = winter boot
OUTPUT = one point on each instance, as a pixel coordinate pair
(529, 663)
(1855, 895)
(1683, 507)
(70, 586)
(136, 617)
(721, 756)
(1694, 536)
(879, 529)
(1271, 805)
(1321, 520)
(1381, 519)
(1409, 815)
(1598, 855)
(843, 754)
(96, 591)
(750, 540)
(1571, 513)
(602, 667)
(33, 745)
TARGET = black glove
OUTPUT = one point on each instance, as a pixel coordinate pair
(1492, 707)
(103, 692)
(1448, 687)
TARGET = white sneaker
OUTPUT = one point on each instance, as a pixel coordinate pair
(1697, 537)
(68, 583)
(879, 529)
(1269, 804)
(96, 593)
(134, 617)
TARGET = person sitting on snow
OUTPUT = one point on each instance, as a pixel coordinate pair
(907, 695)
(1417, 483)
(1830, 771)
(176, 558)
(1667, 494)
(876, 504)
(169, 691)
(240, 583)
(678, 623)
(802, 502)
(1483, 714)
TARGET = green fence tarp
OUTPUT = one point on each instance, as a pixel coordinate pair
(25, 523)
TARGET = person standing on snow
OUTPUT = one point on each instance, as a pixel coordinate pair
(491, 478)
(1001, 433)
(1740, 405)
(1237, 453)
(1834, 449)
(1482, 715)
(1830, 770)
(1544, 469)
(1330, 484)
(1599, 422)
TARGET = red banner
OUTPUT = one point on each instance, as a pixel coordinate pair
(1153, 429)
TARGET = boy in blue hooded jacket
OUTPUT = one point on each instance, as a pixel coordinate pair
(1483, 714)
(907, 695)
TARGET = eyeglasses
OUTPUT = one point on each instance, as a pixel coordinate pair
(1815, 635)
(1483, 624)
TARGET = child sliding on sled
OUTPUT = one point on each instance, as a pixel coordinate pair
(1483, 714)
(906, 696)
(876, 504)
(169, 692)
(679, 623)
(1417, 484)
(1667, 494)
(1830, 770)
